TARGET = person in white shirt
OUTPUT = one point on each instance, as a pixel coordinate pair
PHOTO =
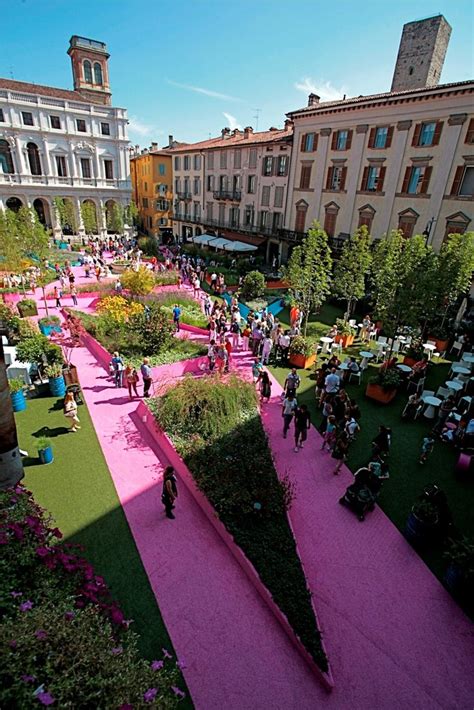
(266, 350)
(332, 382)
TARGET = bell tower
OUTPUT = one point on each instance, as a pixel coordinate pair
(90, 69)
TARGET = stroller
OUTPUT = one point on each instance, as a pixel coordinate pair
(362, 495)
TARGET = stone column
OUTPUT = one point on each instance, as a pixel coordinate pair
(101, 220)
(57, 230)
(353, 177)
(19, 157)
(77, 204)
(394, 175)
(46, 161)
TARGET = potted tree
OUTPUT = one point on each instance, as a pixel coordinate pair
(57, 386)
(27, 307)
(459, 575)
(45, 450)
(422, 523)
(414, 353)
(301, 352)
(383, 387)
(49, 324)
(440, 335)
(345, 333)
(17, 394)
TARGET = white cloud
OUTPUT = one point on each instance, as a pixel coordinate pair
(205, 92)
(231, 121)
(324, 89)
(139, 127)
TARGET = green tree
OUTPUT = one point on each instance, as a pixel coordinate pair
(152, 328)
(308, 272)
(253, 285)
(66, 213)
(140, 282)
(131, 213)
(11, 466)
(89, 217)
(351, 270)
(456, 264)
(115, 219)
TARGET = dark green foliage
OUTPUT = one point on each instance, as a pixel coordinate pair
(254, 285)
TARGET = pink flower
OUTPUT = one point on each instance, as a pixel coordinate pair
(42, 551)
(178, 692)
(126, 706)
(28, 678)
(181, 663)
(41, 634)
(156, 665)
(116, 616)
(57, 533)
(150, 695)
(16, 594)
(166, 654)
(26, 606)
(69, 615)
(116, 651)
(45, 698)
(13, 644)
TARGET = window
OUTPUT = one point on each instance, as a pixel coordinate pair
(366, 217)
(470, 133)
(197, 210)
(373, 178)
(161, 169)
(210, 183)
(145, 202)
(456, 224)
(186, 186)
(6, 161)
(262, 219)
(55, 122)
(162, 205)
(300, 221)
(222, 214)
(209, 209)
(416, 180)
(177, 186)
(222, 183)
(234, 217)
(308, 142)
(61, 167)
(278, 199)
(105, 129)
(426, 134)
(210, 160)
(305, 177)
(381, 137)
(237, 159)
(251, 184)
(463, 184)
(267, 165)
(80, 125)
(2, 119)
(341, 140)
(146, 186)
(109, 169)
(186, 162)
(177, 162)
(87, 72)
(253, 158)
(162, 189)
(282, 165)
(406, 222)
(33, 159)
(197, 162)
(98, 74)
(86, 168)
(223, 159)
(27, 118)
(276, 221)
(336, 179)
(330, 218)
(266, 195)
(248, 216)
(197, 186)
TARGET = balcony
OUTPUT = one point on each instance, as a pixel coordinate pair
(183, 217)
(233, 195)
(184, 195)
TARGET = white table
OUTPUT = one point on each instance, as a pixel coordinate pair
(401, 338)
(460, 370)
(10, 354)
(404, 368)
(454, 385)
(366, 355)
(430, 348)
(326, 343)
(430, 410)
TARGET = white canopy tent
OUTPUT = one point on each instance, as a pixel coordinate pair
(239, 246)
(204, 239)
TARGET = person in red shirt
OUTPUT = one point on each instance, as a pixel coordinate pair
(228, 347)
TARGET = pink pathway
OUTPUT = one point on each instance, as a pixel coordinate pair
(395, 637)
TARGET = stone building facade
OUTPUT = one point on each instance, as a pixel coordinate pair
(151, 173)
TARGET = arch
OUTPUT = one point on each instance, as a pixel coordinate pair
(67, 215)
(34, 158)
(14, 204)
(98, 74)
(41, 208)
(6, 160)
(89, 216)
(87, 67)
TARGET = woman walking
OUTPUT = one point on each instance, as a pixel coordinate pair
(265, 387)
(340, 450)
(170, 491)
(131, 378)
(70, 411)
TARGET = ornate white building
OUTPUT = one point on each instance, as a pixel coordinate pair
(67, 144)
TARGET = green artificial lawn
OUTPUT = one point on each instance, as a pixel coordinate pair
(407, 476)
(77, 490)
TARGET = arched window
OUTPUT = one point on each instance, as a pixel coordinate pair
(300, 221)
(97, 73)
(6, 161)
(34, 159)
(87, 72)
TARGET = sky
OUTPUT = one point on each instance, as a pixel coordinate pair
(191, 67)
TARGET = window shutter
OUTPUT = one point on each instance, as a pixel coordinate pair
(389, 137)
(437, 133)
(457, 180)
(329, 178)
(303, 142)
(426, 180)
(470, 132)
(372, 137)
(263, 166)
(300, 220)
(406, 180)
(349, 140)
(334, 141)
(416, 134)
(342, 184)
(315, 144)
(381, 179)
(275, 166)
(365, 177)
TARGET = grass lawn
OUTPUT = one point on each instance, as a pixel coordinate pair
(407, 476)
(79, 493)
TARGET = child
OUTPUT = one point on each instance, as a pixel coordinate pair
(426, 447)
(257, 369)
(329, 436)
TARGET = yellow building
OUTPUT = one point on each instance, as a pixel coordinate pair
(152, 190)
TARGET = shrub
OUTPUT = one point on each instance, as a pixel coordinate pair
(16, 385)
(139, 282)
(43, 443)
(36, 348)
(150, 247)
(343, 327)
(152, 328)
(118, 308)
(27, 303)
(166, 278)
(254, 285)
(301, 346)
(49, 321)
(54, 370)
(388, 379)
(191, 313)
(461, 554)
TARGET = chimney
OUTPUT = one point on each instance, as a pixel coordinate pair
(248, 130)
(313, 100)
(288, 124)
(225, 132)
(273, 128)
(236, 132)
(170, 141)
(154, 146)
(137, 149)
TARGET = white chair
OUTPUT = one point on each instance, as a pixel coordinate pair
(396, 347)
(427, 393)
(336, 346)
(462, 378)
(442, 392)
(457, 345)
(357, 375)
(420, 385)
(353, 323)
(382, 340)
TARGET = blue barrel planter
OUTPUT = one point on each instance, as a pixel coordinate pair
(419, 532)
(48, 329)
(18, 401)
(57, 386)
(46, 455)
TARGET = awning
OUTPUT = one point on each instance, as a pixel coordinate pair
(203, 238)
(219, 243)
(238, 246)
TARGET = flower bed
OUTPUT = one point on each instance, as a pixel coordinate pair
(212, 421)
(191, 313)
(57, 615)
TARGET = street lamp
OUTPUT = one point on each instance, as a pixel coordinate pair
(428, 228)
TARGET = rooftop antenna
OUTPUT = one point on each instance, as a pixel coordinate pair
(257, 111)
(11, 72)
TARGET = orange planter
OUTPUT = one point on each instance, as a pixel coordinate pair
(379, 394)
(441, 345)
(410, 361)
(302, 361)
(346, 340)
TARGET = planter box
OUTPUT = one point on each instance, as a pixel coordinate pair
(48, 329)
(26, 311)
(346, 340)
(57, 386)
(441, 345)
(302, 361)
(379, 394)
(70, 375)
(410, 361)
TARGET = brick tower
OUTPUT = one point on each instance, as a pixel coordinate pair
(421, 53)
(90, 69)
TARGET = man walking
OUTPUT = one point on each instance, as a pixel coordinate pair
(145, 369)
(176, 316)
(170, 491)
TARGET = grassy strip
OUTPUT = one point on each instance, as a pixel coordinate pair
(215, 422)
